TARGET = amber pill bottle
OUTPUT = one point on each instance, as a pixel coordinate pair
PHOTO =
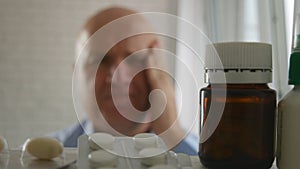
(237, 108)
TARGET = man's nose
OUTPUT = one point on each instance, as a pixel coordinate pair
(120, 73)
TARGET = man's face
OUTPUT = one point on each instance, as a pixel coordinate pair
(138, 86)
(124, 76)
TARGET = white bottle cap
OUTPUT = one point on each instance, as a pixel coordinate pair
(239, 62)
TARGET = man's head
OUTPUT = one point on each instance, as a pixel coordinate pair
(111, 49)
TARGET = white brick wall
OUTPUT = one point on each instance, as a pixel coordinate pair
(37, 39)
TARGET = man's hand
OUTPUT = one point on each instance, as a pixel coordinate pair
(167, 124)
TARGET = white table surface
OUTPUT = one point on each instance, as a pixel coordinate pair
(15, 161)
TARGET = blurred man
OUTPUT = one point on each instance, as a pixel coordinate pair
(105, 73)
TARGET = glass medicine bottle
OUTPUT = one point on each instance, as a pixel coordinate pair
(237, 116)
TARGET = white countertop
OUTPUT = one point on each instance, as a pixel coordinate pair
(17, 161)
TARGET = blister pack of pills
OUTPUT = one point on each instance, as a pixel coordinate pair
(143, 151)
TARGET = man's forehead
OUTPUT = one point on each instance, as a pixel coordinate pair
(130, 44)
(114, 14)
(129, 32)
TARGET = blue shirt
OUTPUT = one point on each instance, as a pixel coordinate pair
(69, 137)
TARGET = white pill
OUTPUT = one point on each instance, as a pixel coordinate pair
(145, 140)
(152, 156)
(162, 166)
(101, 141)
(2, 144)
(44, 148)
(102, 158)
